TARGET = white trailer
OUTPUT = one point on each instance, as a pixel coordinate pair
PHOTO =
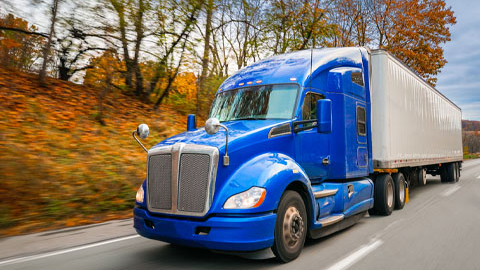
(414, 126)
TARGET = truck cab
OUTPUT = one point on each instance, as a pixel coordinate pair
(285, 155)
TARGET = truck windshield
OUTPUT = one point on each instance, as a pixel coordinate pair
(256, 103)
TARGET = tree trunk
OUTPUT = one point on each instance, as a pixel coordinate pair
(46, 50)
(206, 50)
(140, 34)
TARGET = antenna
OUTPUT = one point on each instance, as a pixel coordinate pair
(311, 64)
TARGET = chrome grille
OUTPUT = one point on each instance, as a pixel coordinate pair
(193, 182)
(181, 179)
(160, 181)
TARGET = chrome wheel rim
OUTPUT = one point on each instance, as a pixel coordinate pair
(389, 194)
(424, 177)
(401, 193)
(293, 227)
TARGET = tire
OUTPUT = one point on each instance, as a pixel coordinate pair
(384, 198)
(400, 190)
(457, 171)
(421, 177)
(450, 172)
(443, 174)
(291, 215)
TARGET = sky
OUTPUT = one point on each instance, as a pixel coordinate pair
(459, 79)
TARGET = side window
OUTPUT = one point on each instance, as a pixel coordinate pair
(309, 108)
(361, 121)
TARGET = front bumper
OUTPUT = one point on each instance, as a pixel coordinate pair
(239, 233)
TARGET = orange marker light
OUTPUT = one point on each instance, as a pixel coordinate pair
(260, 201)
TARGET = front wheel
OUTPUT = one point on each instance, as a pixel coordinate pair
(290, 227)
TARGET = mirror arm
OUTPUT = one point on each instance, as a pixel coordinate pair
(226, 158)
(298, 123)
(135, 137)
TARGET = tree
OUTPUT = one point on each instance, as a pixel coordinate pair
(416, 37)
(20, 44)
(75, 48)
(296, 25)
(130, 13)
(206, 47)
(48, 45)
(173, 37)
(412, 30)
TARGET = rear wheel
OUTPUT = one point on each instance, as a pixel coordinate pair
(443, 174)
(422, 177)
(384, 199)
(290, 227)
(457, 171)
(447, 173)
(400, 190)
(451, 172)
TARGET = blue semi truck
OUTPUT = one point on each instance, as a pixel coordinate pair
(298, 145)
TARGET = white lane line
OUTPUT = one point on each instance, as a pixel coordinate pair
(59, 252)
(478, 177)
(356, 256)
(450, 191)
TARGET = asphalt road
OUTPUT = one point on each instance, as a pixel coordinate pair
(438, 229)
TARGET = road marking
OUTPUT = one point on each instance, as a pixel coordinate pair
(478, 177)
(356, 256)
(59, 252)
(450, 191)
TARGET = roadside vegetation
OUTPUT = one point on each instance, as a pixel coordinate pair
(58, 165)
(471, 139)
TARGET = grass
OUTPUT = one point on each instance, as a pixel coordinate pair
(471, 156)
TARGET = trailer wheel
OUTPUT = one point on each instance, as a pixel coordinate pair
(447, 173)
(457, 171)
(422, 177)
(384, 199)
(451, 173)
(443, 174)
(290, 227)
(400, 190)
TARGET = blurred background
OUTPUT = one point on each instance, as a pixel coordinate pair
(77, 77)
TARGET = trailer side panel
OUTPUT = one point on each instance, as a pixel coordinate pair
(412, 123)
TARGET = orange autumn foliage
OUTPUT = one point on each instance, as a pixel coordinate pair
(19, 50)
(108, 65)
(58, 165)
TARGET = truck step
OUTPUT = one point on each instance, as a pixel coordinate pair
(326, 221)
(325, 193)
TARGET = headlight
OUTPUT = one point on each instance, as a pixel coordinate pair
(140, 194)
(248, 199)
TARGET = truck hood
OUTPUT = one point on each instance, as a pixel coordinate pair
(239, 131)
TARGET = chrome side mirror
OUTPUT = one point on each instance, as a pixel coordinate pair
(142, 131)
(211, 127)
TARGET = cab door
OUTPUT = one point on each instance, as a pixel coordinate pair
(312, 148)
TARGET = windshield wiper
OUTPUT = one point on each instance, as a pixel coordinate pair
(250, 118)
